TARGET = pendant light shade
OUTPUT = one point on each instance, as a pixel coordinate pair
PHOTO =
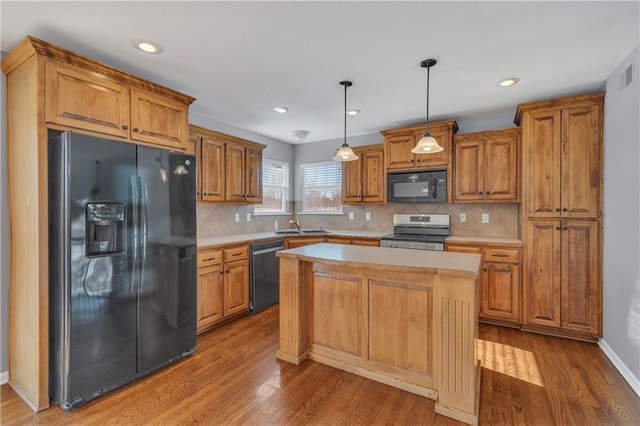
(345, 153)
(427, 144)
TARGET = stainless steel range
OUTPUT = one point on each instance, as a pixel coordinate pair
(418, 231)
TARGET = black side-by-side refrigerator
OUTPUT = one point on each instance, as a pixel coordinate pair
(122, 263)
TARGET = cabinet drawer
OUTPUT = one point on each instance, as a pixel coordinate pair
(500, 255)
(209, 257)
(236, 253)
(464, 249)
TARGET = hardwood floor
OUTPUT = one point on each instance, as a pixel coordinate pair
(234, 378)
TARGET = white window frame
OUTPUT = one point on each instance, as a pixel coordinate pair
(336, 187)
(284, 188)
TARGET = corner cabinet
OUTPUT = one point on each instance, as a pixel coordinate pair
(230, 168)
(223, 285)
(364, 180)
(499, 294)
(561, 215)
(486, 166)
(399, 142)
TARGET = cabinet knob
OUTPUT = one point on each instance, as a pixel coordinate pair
(558, 210)
(227, 271)
(485, 269)
(557, 228)
(564, 228)
(135, 129)
(221, 272)
(565, 209)
(125, 127)
(480, 192)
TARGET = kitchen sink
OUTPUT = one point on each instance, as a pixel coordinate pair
(303, 231)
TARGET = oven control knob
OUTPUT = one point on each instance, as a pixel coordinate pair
(394, 245)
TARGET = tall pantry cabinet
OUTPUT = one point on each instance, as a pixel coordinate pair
(561, 215)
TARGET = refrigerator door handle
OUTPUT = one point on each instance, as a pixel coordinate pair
(144, 226)
(135, 199)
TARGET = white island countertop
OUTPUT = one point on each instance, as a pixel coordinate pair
(436, 262)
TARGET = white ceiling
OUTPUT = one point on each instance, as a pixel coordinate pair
(240, 59)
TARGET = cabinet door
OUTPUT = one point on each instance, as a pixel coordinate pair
(501, 168)
(581, 299)
(253, 175)
(373, 176)
(294, 242)
(443, 136)
(159, 120)
(542, 163)
(194, 148)
(85, 100)
(542, 269)
(581, 164)
(500, 291)
(468, 171)
(398, 152)
(212, 170)
(236, 287)
(210, 296)
(352, 180)
(235, 173)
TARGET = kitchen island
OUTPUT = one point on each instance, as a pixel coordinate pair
(406, 318)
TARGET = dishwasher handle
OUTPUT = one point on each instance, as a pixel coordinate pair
(267, 250)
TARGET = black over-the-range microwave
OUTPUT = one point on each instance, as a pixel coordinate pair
(426, 186)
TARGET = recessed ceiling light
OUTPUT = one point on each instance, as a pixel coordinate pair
(148, 46)
(354, 112)
(280, 109)
(510, 81)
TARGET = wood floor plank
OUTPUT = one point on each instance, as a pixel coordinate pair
(235, 379)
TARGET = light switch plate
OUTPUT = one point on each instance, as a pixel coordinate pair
(248, 217)
(350, 215)
(367, 216)
(485, 217)
(237, 217)
(463, 217)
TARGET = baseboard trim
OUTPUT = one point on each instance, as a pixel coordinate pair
(633, 381)
(4, 377)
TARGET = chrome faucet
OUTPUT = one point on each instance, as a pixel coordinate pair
(295, 222)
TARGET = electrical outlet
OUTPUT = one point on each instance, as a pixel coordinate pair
(463, 217)
(237, 217)
(485, 217)
(248, 217)
(350, 215)
(367, 216)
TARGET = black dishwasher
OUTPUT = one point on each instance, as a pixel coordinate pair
(265, 275)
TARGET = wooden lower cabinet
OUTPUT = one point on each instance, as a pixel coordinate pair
(223, 285)
(499, 295)
(299, 241)
(562, 285)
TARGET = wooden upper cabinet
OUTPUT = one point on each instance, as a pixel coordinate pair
(158, 120)
(398, 144)
(84, 99)
(486, 166)
(235, 173)
(230, 168)
(363, 180)
(562, 157)
(79, 98)
(253, 175)
(212, 167)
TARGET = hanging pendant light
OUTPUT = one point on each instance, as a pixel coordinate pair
(427, 144)
(345, 153)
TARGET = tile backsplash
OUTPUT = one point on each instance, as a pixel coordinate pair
(219, 220)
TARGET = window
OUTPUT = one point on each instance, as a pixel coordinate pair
(275, 188)
(321, 185)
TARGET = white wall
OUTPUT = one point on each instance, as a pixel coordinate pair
(621, 260)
